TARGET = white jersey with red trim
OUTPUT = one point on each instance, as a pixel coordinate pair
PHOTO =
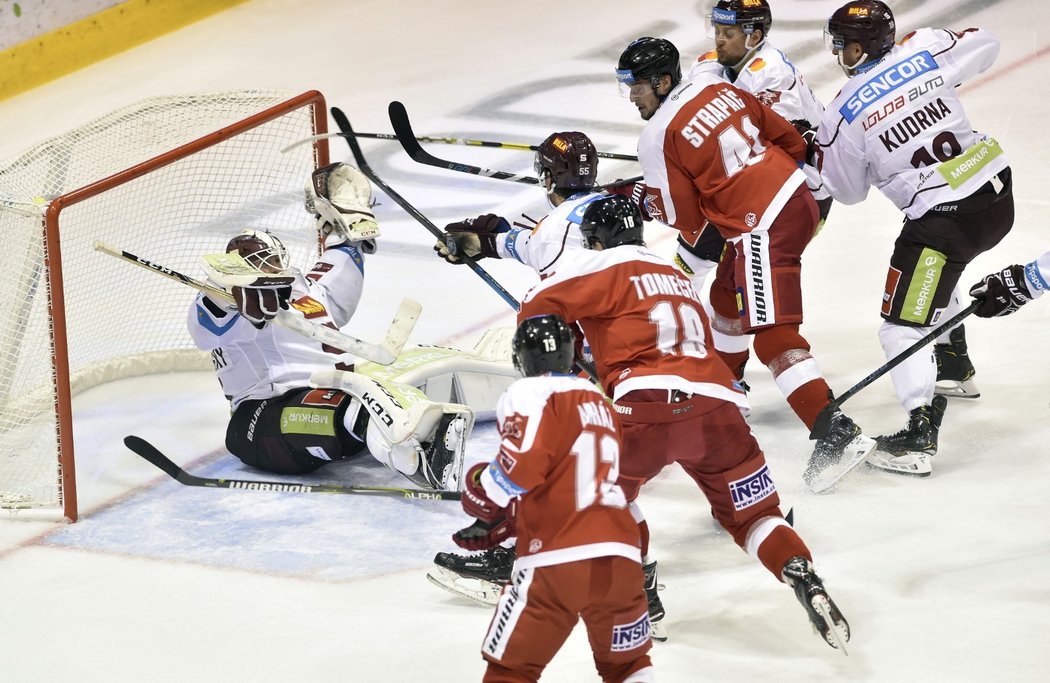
(899, 125)
(560, 452)
(254, 363)
(771, 77)
(644, 320)
(556, 233)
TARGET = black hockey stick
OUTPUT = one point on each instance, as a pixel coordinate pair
(450, 141)
(359, 158)
(823, 423)
(150, 453)
(407, 138)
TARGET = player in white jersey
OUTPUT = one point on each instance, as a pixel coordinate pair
(898, 125)
(282, 421)
(567, 165)
(744, 56)
(1004, 292)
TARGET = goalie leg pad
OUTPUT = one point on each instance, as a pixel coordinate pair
(291, 434)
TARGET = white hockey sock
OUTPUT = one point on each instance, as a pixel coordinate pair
(916, 377)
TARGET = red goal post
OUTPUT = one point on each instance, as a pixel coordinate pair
(168, 178)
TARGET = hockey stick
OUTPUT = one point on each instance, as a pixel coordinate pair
(407, 138)
(823, 423)
(384, 353)
(447, 141)
(362, 164)
(150, 453)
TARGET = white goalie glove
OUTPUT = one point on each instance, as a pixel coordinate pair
(340, 197)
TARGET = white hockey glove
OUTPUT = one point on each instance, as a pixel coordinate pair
(340, 197)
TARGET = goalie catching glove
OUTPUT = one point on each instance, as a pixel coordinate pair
(493, 524)
(340, 197)
(1001, 293)
(475, 237)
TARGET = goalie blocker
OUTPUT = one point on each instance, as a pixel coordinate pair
(344, 412)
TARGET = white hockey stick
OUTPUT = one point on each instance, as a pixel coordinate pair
(384, 353)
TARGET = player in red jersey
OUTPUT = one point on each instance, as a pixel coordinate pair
(553, 485)
(676, 400)
(713, 152)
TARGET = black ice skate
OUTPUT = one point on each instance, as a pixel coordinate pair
(478, 577)
(823, 614)
(909, 450)
(837, 454)
(954, 370)
(442, 460)
(656, 606)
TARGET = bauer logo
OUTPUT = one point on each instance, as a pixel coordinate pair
(752, 488)
(629, 636)
(885, 82)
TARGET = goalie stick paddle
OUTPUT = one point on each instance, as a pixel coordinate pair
(407, 138)
(151, 454)
(823, 423)
(384, 353)
(447, 141)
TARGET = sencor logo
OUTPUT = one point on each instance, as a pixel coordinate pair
(885, 82)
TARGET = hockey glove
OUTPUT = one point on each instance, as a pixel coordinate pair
(475, 237)
(340, 197)
(261, 304)
(1001, 293)
(476, 501)
(483, 535)
(633, 191)
(809, 134)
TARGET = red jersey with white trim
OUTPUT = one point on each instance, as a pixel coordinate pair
(714, 151)
(643, 319)
(560, 451)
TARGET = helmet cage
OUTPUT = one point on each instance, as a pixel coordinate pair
(261, 249)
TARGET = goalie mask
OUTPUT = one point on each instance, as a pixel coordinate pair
(542, 344)
(612, 221)
(260, 249)
(869, 23)
(570, 160)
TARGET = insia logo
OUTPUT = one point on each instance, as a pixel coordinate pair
(885, 82)
(752, 488)
(629, 636)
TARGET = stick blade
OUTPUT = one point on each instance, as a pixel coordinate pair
(149, 452)
(401, 328)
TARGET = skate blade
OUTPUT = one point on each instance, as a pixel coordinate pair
(853, 455)
(476, 590)
(838, 633)
(912, 463)
(657, 631)
(951, 388)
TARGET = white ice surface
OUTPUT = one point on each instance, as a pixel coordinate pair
(942, 579)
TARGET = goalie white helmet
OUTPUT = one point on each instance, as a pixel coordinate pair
(260, 249)
(340, 197)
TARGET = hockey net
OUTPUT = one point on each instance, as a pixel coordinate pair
(168, 179)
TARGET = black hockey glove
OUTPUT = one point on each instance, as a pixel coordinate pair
(1001, 293)
(475, 237)
(809, 134)
(261, 304)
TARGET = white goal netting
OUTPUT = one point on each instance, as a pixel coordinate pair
(168, 179)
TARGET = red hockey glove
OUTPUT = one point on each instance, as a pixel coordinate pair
(633, 191)
(1001, 293)
(261, 304)
(483, 535)
(476, 501)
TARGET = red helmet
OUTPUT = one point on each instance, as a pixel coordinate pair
(571, 160)
(260, 249)
(867, 22)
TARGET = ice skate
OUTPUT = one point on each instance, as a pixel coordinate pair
(656, 606)
(823, 614)
(837, 454)
(478, 577)
(442, 461)
(909, 451)
(954, 370)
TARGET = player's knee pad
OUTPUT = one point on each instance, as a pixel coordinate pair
(772, 342)
(894, 337)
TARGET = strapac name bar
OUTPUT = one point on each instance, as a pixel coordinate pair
(885, 82)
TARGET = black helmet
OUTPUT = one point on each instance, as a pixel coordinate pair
(649, 58)
(868, 22)
(747, 14)
(571, 160)
(542, 343)
(612, 221)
